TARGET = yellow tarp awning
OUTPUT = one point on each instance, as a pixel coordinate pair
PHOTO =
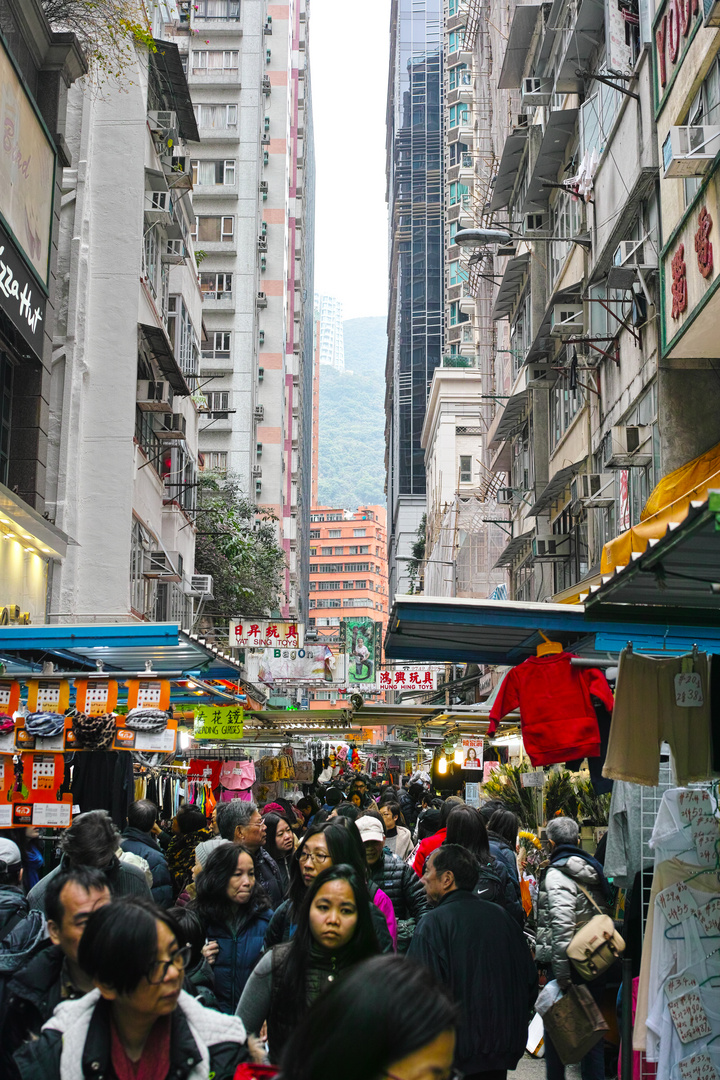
(669, 502)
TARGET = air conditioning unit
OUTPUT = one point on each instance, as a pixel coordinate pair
(257, 470)
(711, 12)
(259, 412)
(174, 427)
(505, 496)
(690, 149)
(261, 300)
(158, 207)
(265, 140)
(266, 86)
(536, 91)
(540, 377)
(566, 319)
(163, 565)
(629, 447)
(555, 546)
(202, 585)
(262, 242)
(520, 121)
(629, 257)
(175, 252)
(162, 120)
(154, 396)
(592, 491)
(264, 187)
(536, 223)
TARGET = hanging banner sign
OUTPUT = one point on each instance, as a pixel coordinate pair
(313, 665)
(95, 697)
(265, 634)
(472, 752)
(363, 639)
(220, 723)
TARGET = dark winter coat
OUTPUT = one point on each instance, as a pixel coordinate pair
(500, 849)
(282, 927)
(479, 954)
(143, 844)
(401, 884)
(240, 947)
(32, 994)
(125, 880)
(563, 908)
(77, 1040)
(269, 876)
(12, 902)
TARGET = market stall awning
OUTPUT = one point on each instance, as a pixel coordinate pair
(19, 521)
(507, 172)
(559, 130)
(519, 38)
(510, 286)
(678, 570)
(668, 504)
(514, 547)
(555, 488)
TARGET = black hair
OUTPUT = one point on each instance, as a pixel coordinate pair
(348, 810)
(489, 807)
(385, 1008)
(333, 796)
(190, 818)
(91, 840)
(191, 932)
(394, 808)
(88, 878)
(415, 790)
(504, 823)
(461, 863)
(289, 1004)
(388, 794)
(211, 900)
(142, 815)
(321, 816)
(119, 943)
(344, 845)
(448, 806)
(467, 828)
(308, 803)
(272, 821)
(428, 824)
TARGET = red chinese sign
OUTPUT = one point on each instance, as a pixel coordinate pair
(672, 28)
(265, 634)
(679, 283)
(703, 247)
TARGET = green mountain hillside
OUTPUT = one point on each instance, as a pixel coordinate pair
(352, 419)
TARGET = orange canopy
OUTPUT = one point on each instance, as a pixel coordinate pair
(669, 502)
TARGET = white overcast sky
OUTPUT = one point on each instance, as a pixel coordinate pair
(349, 46)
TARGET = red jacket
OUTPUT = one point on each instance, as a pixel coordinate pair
(427, 846)
(557, 715)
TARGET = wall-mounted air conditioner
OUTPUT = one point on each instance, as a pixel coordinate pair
(554, 546)
(202, 585)
(174, 426)
(629, 446)
(592, 491)
(690, 149)
(175, 252)
(540, 377)
(257, 470)
(154, 396)
(163, 565)
(261, 300)
(505, 496)
(566, 320)
(162, 120)
(536, 91)
(259, 412)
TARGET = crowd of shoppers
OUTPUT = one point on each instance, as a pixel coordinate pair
(185, 952)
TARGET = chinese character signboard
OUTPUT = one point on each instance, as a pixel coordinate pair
(472, 752)
(409, 679)
(266, 634)
(218, 722)
(362, 645)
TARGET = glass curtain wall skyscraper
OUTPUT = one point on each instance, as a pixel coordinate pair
(415, 320)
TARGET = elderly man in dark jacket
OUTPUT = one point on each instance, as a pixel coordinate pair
(393, 876)
(139, 838)
(479, 953)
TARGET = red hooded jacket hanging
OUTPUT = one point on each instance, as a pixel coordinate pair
(557, 716)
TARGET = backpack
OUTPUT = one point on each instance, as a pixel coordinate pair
(490, 884)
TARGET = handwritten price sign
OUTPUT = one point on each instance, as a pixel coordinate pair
(676, 903)
(706, 838)
(697, 1067)
(689, 690)
(695, 805)
(709, 918)
(678, 985)
(689, 1017)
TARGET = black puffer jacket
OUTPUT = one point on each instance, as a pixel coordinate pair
(496, 885)
(269, 876)
(12, 903)
(401, 884)
(32, 994)
(143, 844)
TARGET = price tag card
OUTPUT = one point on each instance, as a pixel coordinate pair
(157, 742)
(709, 917)
(694, 805)
(43, 773)
(148, 694)
(676, 903)
(706, 838)
(5, 817)
(50, 696)
(97, 696)
(689, 1017)
(9, 697)
(679, 984)
(53, 815)
(7, 741)
(697, 1067)
(689, 690)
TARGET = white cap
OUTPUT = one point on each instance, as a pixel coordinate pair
(370, 828)
(9, 852)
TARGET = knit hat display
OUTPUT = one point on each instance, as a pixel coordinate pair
(93, 732)
(148, 720)
(6, 723)
(44, 724)
(203, 850)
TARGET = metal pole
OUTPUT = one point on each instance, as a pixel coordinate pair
(626, 1020)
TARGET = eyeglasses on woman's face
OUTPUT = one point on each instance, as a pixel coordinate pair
(317, 858)
(159, 969)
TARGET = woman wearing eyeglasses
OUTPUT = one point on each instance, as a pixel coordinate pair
(334, 932)
(329, 844)
(234, 911)
(138, 1023)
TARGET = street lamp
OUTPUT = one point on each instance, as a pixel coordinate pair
(480, 237)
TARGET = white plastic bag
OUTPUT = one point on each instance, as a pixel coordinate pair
(547, 997)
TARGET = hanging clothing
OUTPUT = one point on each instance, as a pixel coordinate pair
(103, 780)
(556, 711)
(646, 714)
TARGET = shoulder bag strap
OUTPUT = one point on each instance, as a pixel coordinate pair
(583, 890)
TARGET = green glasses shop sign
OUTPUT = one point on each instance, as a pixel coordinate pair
(220, 723)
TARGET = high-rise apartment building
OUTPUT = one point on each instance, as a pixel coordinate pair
(415, 319)
(329, 310)
(253, 177)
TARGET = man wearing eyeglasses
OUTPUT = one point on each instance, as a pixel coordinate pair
(54, 974)
(479, 953)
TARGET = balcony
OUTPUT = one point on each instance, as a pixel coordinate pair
(211, 78)
(217, 16)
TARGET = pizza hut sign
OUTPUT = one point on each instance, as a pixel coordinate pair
(671, 31)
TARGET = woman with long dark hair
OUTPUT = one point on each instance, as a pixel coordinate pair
(334, 932)
(234, 912)
(503, 833)
(280, 845)
(328, 844)
(466, 827)
(397, 1020)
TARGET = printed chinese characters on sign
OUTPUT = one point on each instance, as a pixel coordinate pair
(265, 634)
(408, 679)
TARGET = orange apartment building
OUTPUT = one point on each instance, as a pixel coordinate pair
(348, 574)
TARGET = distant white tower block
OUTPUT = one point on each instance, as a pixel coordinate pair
(329, 311)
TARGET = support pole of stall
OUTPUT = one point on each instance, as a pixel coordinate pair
(626, 1020)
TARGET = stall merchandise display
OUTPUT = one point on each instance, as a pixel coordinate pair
(151, 720)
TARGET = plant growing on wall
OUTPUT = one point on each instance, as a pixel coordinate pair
(418, 557)
(237, 544)
(108, 31)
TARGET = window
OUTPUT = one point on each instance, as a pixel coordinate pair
(339, 551)
(216, 116)
(705, 109)
(218, 347)
(521, 334)
(314, 534)
(213, 230)
(457, 273)
(465, 469)
(216, 286)
(142, 589)
(151, 261)
(455, 40)
(565, 404)
(358, 567)
(317, 517)
(217, 9)
(364, 550)
(328, 586)
(456, 75)
(566, 221)
(313, 551)
(597, 115)
(326, 551)
(456, 315)
(334, 534)
(458, 193)
(214, 461)
(182, 335)
(458, 115)
(218, 403)
(214, 60)
(213, 173)
(361, 584)
(358, 532)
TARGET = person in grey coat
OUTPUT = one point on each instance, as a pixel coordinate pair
(562, 909)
